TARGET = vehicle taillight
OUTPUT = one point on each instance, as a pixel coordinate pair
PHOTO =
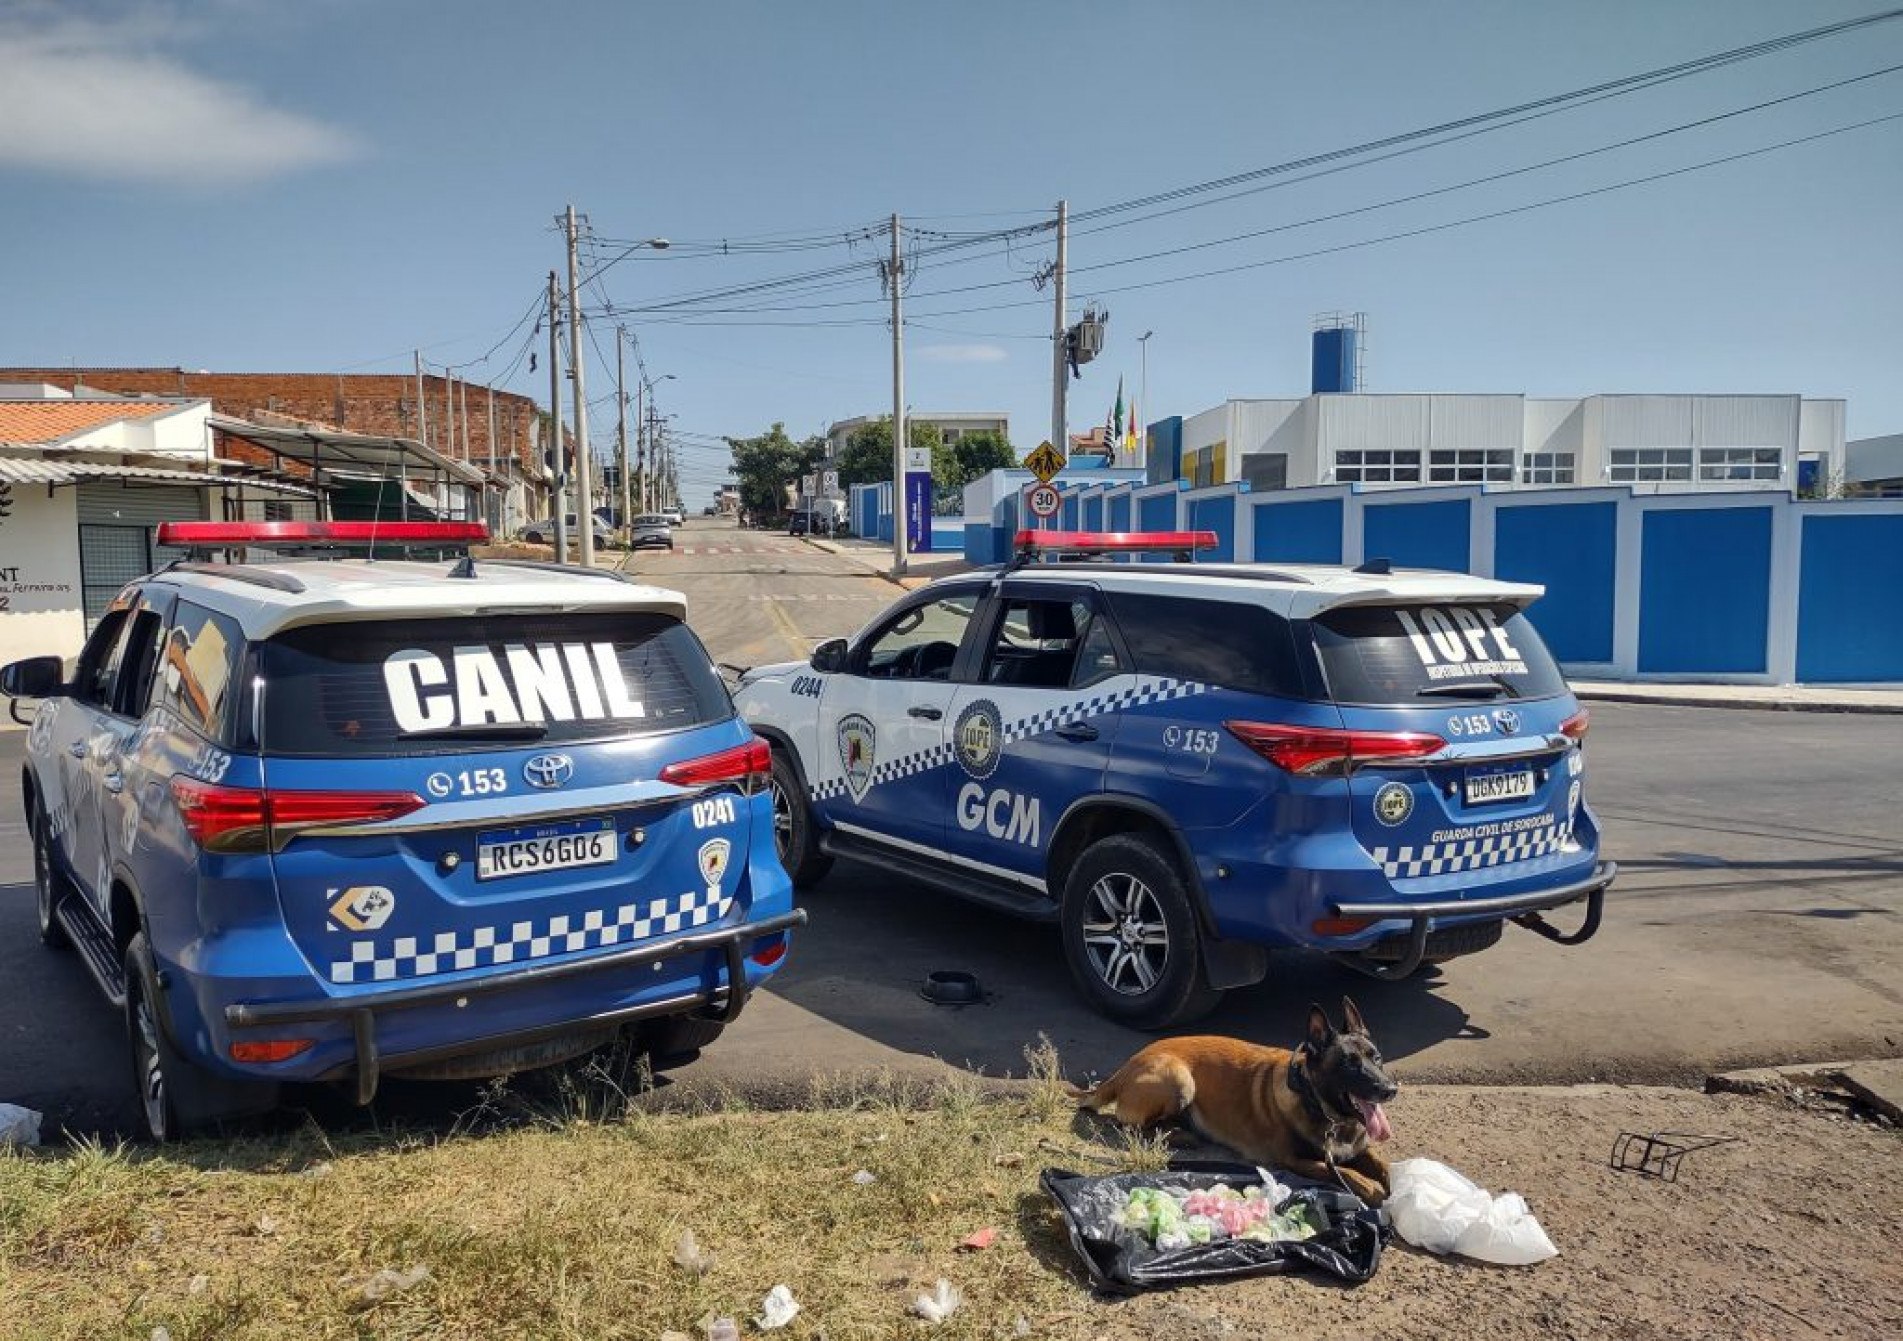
(1576, 726)
(1318, 751)
(252, 819)
(749, 765)
(270, 1050)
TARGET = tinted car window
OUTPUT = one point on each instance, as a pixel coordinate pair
(99, 659)
(434, 685)
(922, 643)
(198, 669)
(1402, 654)
(1227, 643)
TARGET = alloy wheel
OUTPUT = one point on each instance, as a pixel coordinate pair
(1125, 935)
(147, 1068)
(782, 821)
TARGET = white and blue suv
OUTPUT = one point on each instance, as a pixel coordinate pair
(332, 819)
(1188, 764)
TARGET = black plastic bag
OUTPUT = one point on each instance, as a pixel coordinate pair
(1123, 1261)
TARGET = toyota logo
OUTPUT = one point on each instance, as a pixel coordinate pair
(1507, 720)
(548, 770)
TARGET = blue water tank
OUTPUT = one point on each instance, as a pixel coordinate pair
(1334, 360)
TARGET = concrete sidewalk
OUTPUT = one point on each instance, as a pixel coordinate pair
(923, 568)
(1781, 698)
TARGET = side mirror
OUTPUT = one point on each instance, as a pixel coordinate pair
(36, 677)
(829, 656)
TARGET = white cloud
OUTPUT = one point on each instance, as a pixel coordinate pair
(104, 101)
(963, 353)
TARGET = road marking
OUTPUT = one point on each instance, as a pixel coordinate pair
(800, 647)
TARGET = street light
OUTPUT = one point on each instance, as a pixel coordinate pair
(646, 385)
(577, 365)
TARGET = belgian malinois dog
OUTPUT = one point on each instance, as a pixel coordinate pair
(1314, 1111)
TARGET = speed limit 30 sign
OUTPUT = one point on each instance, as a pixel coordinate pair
(1044, 501)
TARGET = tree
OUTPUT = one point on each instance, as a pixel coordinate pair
(765, 464)
(867, 455)
(980, 452)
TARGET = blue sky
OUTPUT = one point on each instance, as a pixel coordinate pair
(246, 185)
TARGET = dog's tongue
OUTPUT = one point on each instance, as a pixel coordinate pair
(1374, 1120)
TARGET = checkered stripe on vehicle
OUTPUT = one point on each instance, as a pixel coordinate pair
(524, 942)
(1145, 691)
(1470, 854)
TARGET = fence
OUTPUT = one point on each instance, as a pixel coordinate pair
(1751, 588)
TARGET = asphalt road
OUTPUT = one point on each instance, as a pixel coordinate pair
(1759, 918)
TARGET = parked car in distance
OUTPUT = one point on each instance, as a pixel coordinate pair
(674, 516)
(1185, 765)
(327, 820)
(651, 531)
(543, 532)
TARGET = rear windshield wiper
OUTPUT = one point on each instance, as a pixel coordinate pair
(1468, 689)
(487, 731)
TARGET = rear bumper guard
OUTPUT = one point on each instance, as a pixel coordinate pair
(1523, 909)
(723, 1000)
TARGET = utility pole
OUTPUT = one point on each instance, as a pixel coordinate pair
(584, 457)
(560, 453)
(422, 406)
(894, 274)
(621, 404)
(1060, 369)
(462, 412)
(641, 437)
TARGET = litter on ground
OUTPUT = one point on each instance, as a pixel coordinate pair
(1433, 1207)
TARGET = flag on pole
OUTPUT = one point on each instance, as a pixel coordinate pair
(1116, 420)
(1130, 428)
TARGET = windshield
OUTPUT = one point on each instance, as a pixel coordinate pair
(434, 685)
(1410, 654)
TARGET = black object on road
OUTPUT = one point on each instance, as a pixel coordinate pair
(1124, 1261)
(1658, 1155)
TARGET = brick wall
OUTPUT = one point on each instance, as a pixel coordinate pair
(358, 402)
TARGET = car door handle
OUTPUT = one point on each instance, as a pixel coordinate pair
(77, 749)
(929, 714)
(115, 781)
(1078, 731)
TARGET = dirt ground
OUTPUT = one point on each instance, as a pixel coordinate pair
(1791, 1231)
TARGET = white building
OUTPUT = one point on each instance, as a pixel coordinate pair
(1873, 467)
(951, 424)
(84, 482)
(1675, 443)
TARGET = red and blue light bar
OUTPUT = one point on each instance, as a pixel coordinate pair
(210, 535)
(1030, 542)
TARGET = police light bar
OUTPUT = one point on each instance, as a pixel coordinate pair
(1113, 542)
(206, 535)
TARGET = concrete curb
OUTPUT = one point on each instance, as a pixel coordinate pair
(1694, 696)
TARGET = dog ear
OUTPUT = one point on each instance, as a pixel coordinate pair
(1320, 1032)
(1351, 1017)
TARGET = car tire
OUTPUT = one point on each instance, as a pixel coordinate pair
(681, 1036)
(1130, 935)
(794, 840)
(175, 1097)
(47, 883)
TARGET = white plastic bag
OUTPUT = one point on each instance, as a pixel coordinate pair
(19, 1126)
(1435, 1208)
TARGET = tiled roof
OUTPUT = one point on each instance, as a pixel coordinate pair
(39, 421)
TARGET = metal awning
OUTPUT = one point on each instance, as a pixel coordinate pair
(64, 474)
(332, 451)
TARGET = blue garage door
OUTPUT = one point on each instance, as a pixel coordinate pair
(1298, 532)
(1572, 550)
(1841, 636)
(1218, 515)
(1418, 535)
(1704, 590)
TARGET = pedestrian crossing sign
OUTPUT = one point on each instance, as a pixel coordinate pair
(1044, 462)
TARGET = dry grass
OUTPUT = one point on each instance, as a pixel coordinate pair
(558, 1216)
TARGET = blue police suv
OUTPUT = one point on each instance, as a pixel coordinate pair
(1187, 764)
(331, 819)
